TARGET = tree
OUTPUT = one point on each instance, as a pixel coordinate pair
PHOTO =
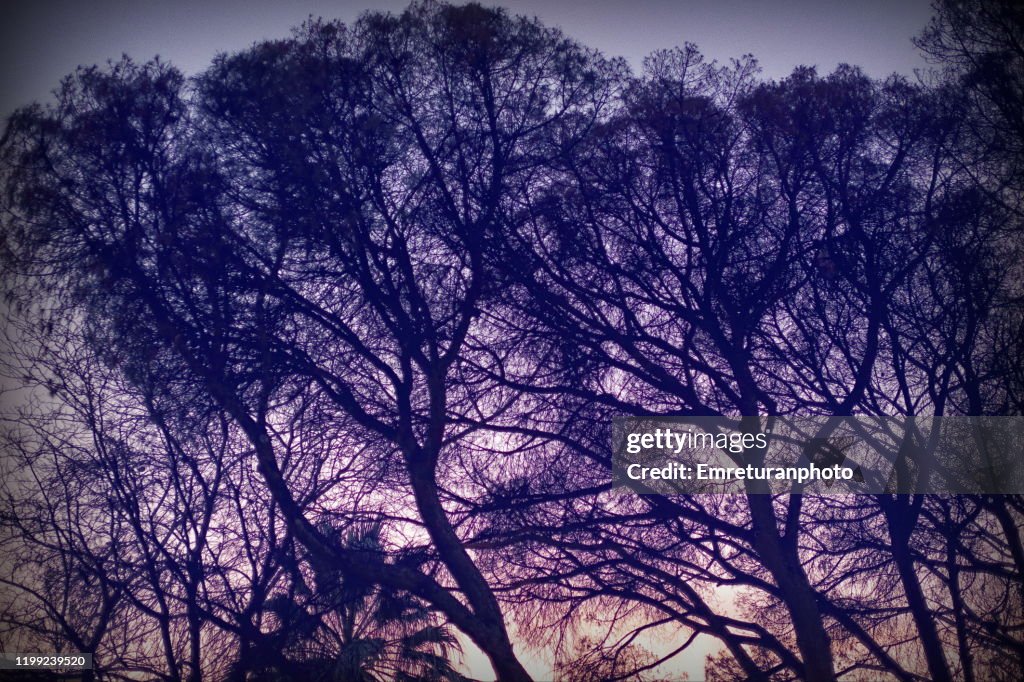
(260, 250)
(339, 327)
(730, 248)
(980, 46)
(355, 630)
(130, 535)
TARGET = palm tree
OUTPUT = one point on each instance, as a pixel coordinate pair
(353, 631)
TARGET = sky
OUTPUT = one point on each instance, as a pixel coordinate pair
(43, 40)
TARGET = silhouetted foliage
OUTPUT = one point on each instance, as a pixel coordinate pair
(319, 352)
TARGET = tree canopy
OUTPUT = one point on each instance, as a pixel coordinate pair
(317, 353)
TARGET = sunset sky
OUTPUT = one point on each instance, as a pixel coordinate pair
(44, 40)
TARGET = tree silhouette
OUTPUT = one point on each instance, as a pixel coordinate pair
(732, 248)
(323, 346)
(353, 630)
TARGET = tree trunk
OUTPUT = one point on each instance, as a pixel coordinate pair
(812, 640)
(466, 574)
(900, 521)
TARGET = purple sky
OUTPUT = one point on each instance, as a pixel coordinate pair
(42, 40)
